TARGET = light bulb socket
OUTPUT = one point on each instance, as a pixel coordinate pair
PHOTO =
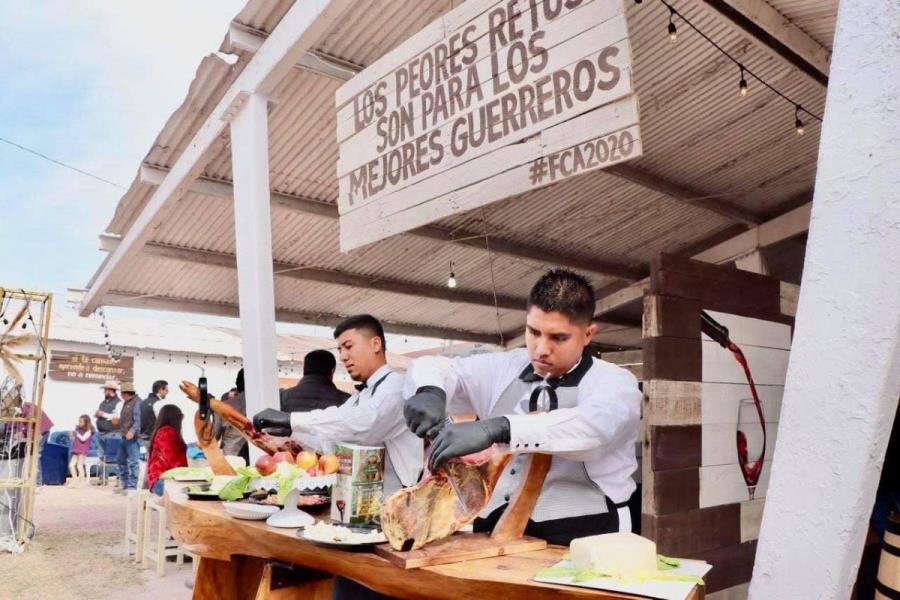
(673, 32)
(743, 87)
(798, 124)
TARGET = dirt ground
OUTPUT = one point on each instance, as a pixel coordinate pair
(78, 552)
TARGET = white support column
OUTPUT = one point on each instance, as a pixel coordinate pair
(844, 375)
(253, 240)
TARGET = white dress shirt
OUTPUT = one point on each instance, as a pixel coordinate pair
(367, 419)
(600, 431)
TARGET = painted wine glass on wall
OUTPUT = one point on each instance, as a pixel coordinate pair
(751, 423)
(751, 443)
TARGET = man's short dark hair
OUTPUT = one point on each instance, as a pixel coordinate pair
(366, 323)
(319, 362)
(564, 291)
(159, 384)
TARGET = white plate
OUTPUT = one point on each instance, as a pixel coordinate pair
(250, 512)
(290, 519)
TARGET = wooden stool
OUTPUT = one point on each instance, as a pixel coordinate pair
(134, 515)
(164, 546)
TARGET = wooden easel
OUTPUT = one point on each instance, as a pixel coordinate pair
(508, 536)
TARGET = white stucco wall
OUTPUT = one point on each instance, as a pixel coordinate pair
(64, 401)
(844, 374)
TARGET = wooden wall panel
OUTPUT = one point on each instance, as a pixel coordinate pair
(733, 565)
(724, 484)
(721, 400)
(672, 402)
(691, 381)
(678, 359)
(688, 533)
(717, 288)
(676, 490)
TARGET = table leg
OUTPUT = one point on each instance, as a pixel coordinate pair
(215, 580)
(249, 578)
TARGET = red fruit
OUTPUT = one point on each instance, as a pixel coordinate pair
(265, 464)
(284, 457)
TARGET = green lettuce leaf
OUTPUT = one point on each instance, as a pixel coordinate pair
(192, 472)
(664, 563)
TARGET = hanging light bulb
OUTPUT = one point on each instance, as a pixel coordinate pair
(451, 281)
(743, 84)
(673, 31)
(798, 124)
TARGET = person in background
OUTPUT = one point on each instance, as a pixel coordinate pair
(81, 445)
(231, 440)
(107, 418)
(148, 409)
(130, 449)
(316, 389)
(167, 447)
(46, 426)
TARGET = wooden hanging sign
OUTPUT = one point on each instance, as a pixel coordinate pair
(494, 99)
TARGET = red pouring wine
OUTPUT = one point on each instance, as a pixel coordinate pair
(751, 424)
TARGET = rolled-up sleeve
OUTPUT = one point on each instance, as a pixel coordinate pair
(608, 411)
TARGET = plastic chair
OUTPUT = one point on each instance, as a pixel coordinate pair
(135, 505)
(110, 460)
(92, 461)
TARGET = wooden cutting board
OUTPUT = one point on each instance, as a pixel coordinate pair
(457, 548)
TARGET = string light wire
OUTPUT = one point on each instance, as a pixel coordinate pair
(798, 107)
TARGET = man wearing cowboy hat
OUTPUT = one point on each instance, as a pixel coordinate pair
(107, 417)
(130, 429)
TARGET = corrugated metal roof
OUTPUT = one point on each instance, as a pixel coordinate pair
(697, 132)
(815, 17)
(183, 338)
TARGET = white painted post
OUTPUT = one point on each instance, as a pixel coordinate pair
(253, 240)
(844, 375)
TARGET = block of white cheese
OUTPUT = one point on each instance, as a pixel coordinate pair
(614, 554)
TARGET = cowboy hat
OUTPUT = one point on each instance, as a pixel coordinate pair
(128, 387)
(111, 384)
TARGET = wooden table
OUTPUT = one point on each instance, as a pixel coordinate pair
(236, 563)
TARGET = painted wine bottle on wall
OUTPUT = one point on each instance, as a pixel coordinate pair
(751, 423)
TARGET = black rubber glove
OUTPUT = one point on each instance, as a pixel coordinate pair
(275, 421)
(425, 411)
(459, 439)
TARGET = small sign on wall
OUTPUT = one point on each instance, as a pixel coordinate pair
(492, 100)
(81, 367)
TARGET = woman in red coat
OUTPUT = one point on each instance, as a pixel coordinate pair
(167, 447)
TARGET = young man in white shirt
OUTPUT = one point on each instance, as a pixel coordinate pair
(552, 397)
(373, 416)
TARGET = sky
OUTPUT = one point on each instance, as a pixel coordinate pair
(90, 84)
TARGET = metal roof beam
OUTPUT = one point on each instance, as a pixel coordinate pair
(109, 243)
(788, 225)
(241, 37)
(154, 175)
(301, 27)
(776, 33)
(127, 300)
(682, 193)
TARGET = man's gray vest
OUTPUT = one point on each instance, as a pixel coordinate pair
(568, 490)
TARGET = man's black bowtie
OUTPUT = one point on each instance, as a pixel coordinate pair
(361, 386)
